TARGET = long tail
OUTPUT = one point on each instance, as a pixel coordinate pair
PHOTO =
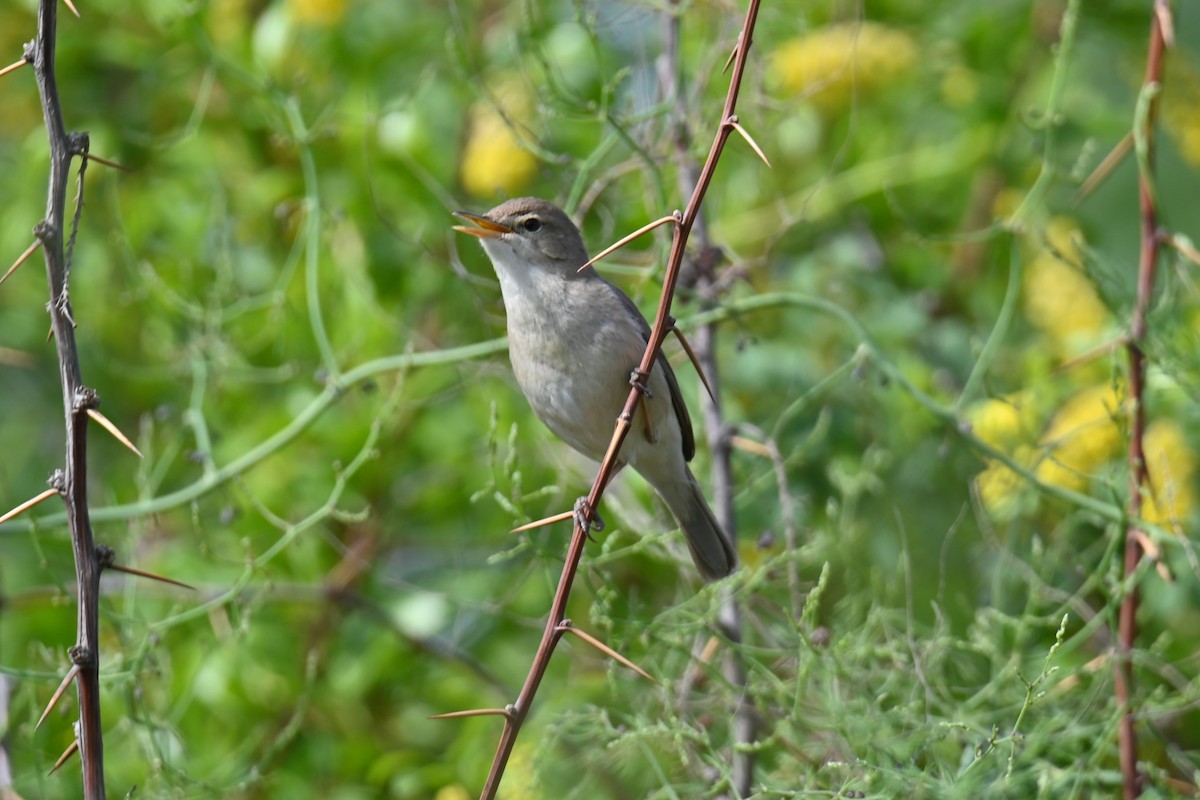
(711, 548)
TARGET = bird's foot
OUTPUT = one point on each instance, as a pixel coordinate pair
(637, 379)
(586, 517)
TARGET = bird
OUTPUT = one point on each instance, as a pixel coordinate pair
(574, 339)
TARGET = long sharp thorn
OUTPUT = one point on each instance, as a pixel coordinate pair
(21, 258)
(12, 67)
(108, 163)
(687, 348)
(1162, 9)
(71, 6)
(70, 751)
(614, 247)
(608, 651)
(750, 446)
(1104, 169)
(528, 526)
(475, 712)
(1185, 248)
(151, 576)
(737, 126)
(28, 504)
(58, 693)
(107, 424)
(732, 54)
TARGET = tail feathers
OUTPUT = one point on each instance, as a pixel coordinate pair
(711, 548)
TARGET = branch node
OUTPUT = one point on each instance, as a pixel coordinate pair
(85, 399)
(81, 656)
(78, 143)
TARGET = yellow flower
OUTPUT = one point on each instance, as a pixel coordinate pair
(493, 160)
(998, 422)
(999, 487)
(1059, 299)
(317, 12)
(832, 64)
(455, 792)
(1171, 465)
(1082, 436)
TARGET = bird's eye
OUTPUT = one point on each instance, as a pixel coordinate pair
(532, 224)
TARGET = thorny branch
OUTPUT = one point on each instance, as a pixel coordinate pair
(1131, 783)
(515, 714)
(77, 398)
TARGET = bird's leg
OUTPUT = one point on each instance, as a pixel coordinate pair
(638, 380)
(582, 513)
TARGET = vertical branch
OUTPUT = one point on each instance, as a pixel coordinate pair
(717, 433)
(77, 400)
(556, 623)
(1147, 261)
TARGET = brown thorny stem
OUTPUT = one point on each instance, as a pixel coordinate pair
(555, 623)
(77, 400)
(1147, 261)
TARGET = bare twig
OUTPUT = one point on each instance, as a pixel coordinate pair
(553, 630)
(77, 400)
(1143, 135)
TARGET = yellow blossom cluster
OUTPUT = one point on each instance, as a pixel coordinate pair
(320, 13)
(1083, 435)
(1171, 465)
(494, 162)
(1059, 299)
(831, 65)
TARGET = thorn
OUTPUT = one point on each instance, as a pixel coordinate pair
(1183, 245)
(528, 526)
(71, 6)
(710, 650)
(114, 430)
(16, 65)
(687, 348)
(1151, 551)
(475, 712)
(70, 751)
(151, 576)
(614, 247)
(737, 126)
(1104, 169)
(50, 333)
(1162, 10)
(28, 504)
(732, 53)
(567, 627)
(750, 446)
(651, 436)
(108, 163)
(21, 258)
(58, 693)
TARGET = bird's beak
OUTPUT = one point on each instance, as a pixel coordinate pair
(487, 229)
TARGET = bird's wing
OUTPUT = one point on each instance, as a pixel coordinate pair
(681, 411)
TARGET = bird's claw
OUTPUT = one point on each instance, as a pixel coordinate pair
(637, 379)
(583, 511)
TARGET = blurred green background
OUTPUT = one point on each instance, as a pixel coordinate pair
(901, 592)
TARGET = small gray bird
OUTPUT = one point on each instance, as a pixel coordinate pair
(574, 338)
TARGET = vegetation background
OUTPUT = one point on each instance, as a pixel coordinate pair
(942, 625)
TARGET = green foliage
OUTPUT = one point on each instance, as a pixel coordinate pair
(922, 321)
